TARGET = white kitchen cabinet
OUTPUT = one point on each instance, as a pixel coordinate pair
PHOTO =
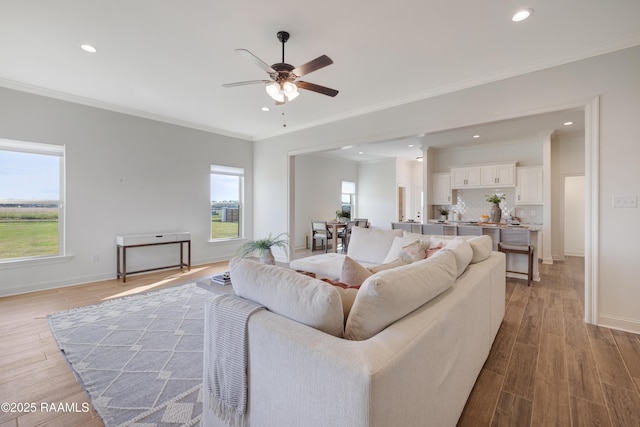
(441, 193)
(466, 177)
(502, 175)
(529, 186)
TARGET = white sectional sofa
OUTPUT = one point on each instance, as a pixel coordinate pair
(407, 354)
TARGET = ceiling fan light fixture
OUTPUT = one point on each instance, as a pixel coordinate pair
(275, 92)
(290, 90)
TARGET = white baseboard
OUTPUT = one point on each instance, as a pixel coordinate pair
(620, 323)
(45, 286)
(570, 253)
(81, 280)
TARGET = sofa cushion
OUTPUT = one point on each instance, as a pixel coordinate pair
(390, 295)
(424, 238)
(397, 248)
(297, 296)
(347, 294)
(353, 273)
(482, 247)
(371, 245)
(462, 251)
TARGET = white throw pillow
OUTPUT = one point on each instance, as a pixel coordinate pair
(297, 296)
(395, 251)
(389, 295)
(482, 247)
(371, 245)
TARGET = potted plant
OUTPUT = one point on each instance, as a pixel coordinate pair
(495, 213)
(263, 247)
(342, 215)
(444, 212)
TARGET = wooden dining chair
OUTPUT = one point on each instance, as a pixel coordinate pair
(345, 234)
(320, 231)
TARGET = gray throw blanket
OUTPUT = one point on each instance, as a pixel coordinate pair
(225, 355)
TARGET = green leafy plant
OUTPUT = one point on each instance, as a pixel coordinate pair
(494, 198)
(443, 211)
(264, 245)
(343, 214)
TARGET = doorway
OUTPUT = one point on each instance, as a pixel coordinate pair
(574, 208)
(401, 202)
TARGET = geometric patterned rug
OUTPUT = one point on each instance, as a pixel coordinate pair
(139, 358)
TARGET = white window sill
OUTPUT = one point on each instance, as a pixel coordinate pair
(35, 261)
(229, 241)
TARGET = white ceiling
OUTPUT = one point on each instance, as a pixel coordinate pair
(167, 59)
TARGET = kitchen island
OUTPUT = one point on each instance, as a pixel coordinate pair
(532, 233)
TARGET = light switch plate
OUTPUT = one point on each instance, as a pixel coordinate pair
(625, 201)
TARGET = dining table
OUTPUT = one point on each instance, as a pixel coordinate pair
(335, 227)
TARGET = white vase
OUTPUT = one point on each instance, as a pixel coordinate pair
(266, 257)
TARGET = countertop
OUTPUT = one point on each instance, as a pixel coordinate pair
(529, 226)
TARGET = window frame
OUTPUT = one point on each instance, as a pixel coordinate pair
(351, 193)
(54, 150)
(218, 169)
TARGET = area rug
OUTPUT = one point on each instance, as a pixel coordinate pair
(139, 358)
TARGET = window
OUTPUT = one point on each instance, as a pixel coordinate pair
(348, 197)
(31, 200)
(227, 192)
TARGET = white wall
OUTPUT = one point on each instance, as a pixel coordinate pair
(377, 194)
(613, 77)
(318, 187)
(125, 175)
(527, 152)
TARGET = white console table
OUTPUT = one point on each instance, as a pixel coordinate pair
(139, 240)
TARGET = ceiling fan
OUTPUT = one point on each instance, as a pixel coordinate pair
(285, 78)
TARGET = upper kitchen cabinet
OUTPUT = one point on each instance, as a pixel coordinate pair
(484, 176)
(502, 175)
(466, 177)
(529, 188)
(441, 189)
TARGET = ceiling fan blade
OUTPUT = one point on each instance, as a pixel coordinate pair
(259, 62)
(317, 88)
(313, 65)
(249, 82)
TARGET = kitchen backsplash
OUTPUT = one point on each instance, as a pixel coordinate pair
(473, 203)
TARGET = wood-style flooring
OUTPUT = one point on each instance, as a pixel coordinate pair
(32, 369)
(546, 367)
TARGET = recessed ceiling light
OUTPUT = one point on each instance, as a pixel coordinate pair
(361, 152)
(568, 123)
(88, 48)
(419, 158)
(265, 109)
(476, 136)
(410, 145)
(521, 15)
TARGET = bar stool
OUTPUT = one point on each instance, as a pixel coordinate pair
(514, 241)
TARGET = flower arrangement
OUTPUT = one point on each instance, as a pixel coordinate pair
(494, 198)
(443, 211)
